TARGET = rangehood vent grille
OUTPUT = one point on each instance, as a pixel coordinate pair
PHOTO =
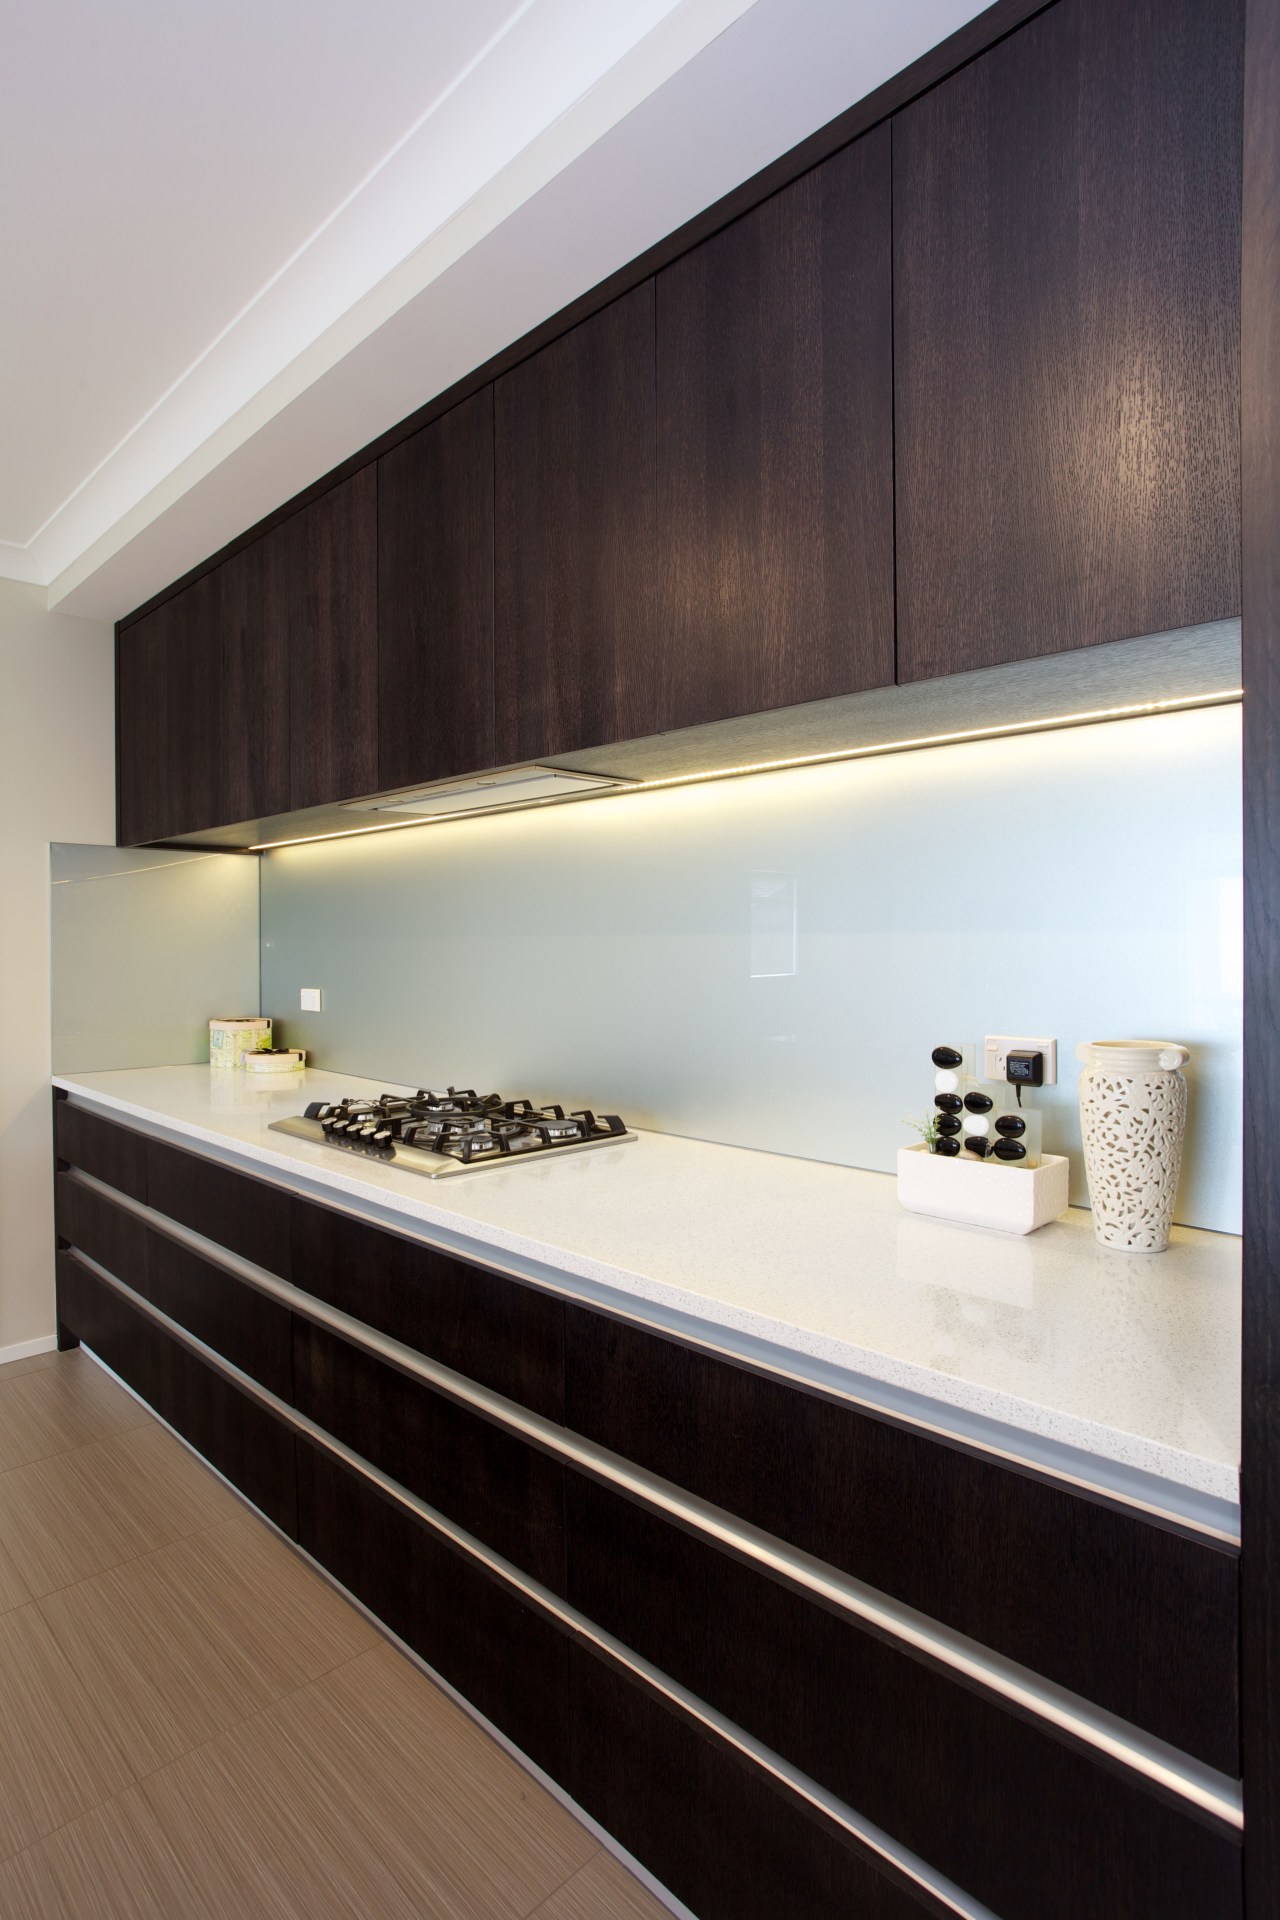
(489, 792)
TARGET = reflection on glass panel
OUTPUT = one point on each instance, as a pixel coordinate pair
(773, 925)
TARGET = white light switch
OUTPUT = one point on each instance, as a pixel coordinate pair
(309, 1001)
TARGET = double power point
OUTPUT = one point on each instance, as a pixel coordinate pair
(997, 1047)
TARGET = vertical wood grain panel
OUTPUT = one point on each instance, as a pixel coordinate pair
(435, 599)
(574, 585)
(329, 553)
(1066, 336)
(775, 438)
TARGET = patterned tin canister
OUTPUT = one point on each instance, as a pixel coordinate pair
(229, 1037)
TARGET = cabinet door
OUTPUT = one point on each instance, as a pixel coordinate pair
(775, 438)
(435, 599)
(574, 601)
(169, 718)
(254, 750)
(1066, 336)
(328, 554)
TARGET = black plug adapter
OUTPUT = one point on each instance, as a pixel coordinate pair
(1025, 1069)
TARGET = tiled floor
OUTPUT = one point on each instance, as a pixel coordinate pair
(194, 1725)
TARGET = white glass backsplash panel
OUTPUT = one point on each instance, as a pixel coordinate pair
(147, 945)
(768, 961)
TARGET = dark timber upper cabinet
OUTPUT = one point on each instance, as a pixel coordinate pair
(1066, 336)
(330, 560)
(254, 620)
(169, 707)
(775, 449)
(435, 599)
(574, 604)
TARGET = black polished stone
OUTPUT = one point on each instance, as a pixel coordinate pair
(1011, 1125)
(948, 1102)
(946, 1147)
(976, 1144)
(1009, 1150)
(979, 1102)
(948, 1123)
(946, 1057)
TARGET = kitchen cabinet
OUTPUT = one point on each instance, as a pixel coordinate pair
(775, 449)
(491, 1329)
(939, 1765)
(1066, 336)
(249, 1328)
(247, 1443)
(574, 581)
(1136, 1616)
(328, 552)
(504, 1491)
(169, 708)
(114, 1154)
(435, 599)
(249, 1216)
(253, 637)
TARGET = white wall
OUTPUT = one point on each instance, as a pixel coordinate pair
(57, 782)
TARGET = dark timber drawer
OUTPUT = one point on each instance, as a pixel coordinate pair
(506, 1336)
(249, 1216)
(250, 1329)
(121, 1334)
(492, 1483)
(1134, 1616)
(1030, 1822)
(114, 1154)
(109, 1233)
(504, 1655)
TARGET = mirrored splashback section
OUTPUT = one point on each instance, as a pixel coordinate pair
(767, 961)
(146, 947)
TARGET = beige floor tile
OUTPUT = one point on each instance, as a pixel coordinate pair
(34, 1363)
(376, 1797)
(188, 1640)
(602, 1890)
(114, 1863)
(53, 1409)
(58, 1755)
(74, 1514)
(14, 1591)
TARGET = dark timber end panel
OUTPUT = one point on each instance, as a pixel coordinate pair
(1066, 338)
(775, 449)
(507, 1336)
(1137, 1618)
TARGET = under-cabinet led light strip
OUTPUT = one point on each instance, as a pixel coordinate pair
(1224, 696)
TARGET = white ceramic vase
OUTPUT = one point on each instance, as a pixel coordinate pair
(1133, 1111)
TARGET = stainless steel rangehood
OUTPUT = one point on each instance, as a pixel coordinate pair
(488, 792)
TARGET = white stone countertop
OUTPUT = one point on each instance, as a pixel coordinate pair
(1120, 1370)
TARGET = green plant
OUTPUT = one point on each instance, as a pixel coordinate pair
(928, 1131)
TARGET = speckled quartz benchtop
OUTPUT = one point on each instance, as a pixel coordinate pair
(1119, 1370)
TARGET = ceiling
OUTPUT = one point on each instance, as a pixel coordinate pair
(246, 238)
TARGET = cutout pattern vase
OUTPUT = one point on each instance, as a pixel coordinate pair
(1133, 1112)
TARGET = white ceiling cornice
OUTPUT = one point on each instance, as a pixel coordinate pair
(575, 137)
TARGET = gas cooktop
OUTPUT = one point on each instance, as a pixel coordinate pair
(457, 1131)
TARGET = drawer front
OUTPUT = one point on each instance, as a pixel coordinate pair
(505, 1492)
(236, 1434)
(1031, 1824)
(249, 1216)
(504, 1656)
(118, 1332)
(114, 1154)
(1135, 1617)
(507, 1336)
(110, 1234)
(248, 1328)
(709, 1823)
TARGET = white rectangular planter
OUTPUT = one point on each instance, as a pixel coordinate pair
(1010, 1199)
